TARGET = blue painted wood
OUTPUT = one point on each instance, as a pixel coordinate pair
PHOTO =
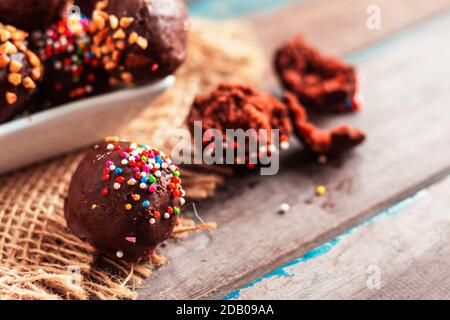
(223, 9)
(328, 246)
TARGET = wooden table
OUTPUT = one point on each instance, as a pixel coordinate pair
(383, 228)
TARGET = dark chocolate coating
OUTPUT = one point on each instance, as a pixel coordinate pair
(86, 6)
(21, 91)
(31, 15)
(164, 24)
(7, 112)
(103, 221)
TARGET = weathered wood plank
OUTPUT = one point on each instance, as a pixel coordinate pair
(338, 27)
(400, 254)
(406, 117)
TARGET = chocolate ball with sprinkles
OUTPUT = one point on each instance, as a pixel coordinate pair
(124, 199)
(139, 41)
(20, 70)
(72, 71)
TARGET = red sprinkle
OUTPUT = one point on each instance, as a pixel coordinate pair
(105, 191)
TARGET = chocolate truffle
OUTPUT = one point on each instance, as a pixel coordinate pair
(31, 15)
(321, 83)
(124, 199)
(332, 142)
(71, 70)
(20, 69)
(139, 41)
(232, 106)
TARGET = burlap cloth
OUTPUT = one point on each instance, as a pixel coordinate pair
(39, 257)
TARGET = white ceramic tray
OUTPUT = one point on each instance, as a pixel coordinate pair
(72, 126)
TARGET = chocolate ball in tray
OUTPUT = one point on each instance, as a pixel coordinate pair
(139, 41)
(72, 71)
(20, 71)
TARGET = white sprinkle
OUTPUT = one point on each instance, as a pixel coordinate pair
(152, 221)
(143, 174)
(172, 168)
(157, 174)
(157, 165)
(166, 215)
(164, 166)
(117, 186)
(285, 145)
(131, 158)
(133, 146)
(119, 254)
(182, 202)
(143, 186)
(132, 182)
(134, 153)
(124, 162)
(112, 167)
(110, 146)
(284, 208)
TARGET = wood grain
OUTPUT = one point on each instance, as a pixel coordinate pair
(338, 27)
(406, 117)
(406, 252)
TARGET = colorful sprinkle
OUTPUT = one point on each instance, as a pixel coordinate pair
(146, 204)
(321, 190)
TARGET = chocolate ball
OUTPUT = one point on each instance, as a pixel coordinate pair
(31, 15)
(139, 41)
(124, 199)
(20, 69)
(72, 71)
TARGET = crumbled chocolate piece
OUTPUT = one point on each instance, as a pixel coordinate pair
(321, 83)
(322, 142)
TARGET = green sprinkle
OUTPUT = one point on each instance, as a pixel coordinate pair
(176, 173)
(176, 211)
(152, 179)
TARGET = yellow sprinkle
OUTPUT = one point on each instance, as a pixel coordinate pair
(321, 190)
(128, 207)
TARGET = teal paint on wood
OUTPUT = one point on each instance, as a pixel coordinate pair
(223, 9)
(327, 247)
